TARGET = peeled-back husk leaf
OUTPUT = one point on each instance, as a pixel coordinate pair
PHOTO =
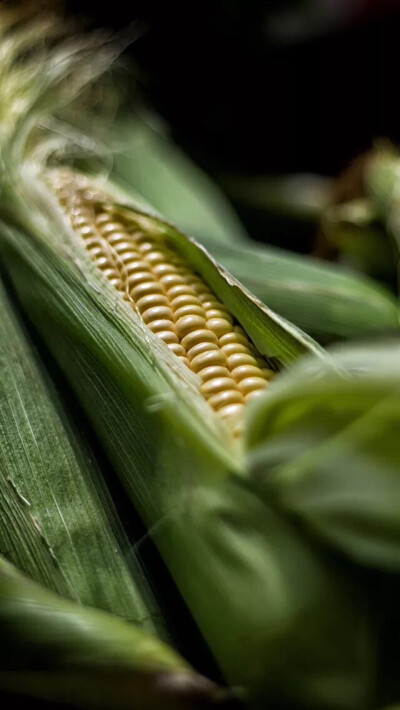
(354, 231)
(325, 300)
(237, 563)
(57, 650)
(274, 336)
(57, 521)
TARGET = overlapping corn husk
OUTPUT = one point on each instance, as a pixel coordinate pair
(325, 449)
(57, 650)
(282, 617)
(57, 521)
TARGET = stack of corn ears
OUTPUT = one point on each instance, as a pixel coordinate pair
(228, 461)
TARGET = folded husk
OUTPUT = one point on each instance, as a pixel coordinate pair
(54, 649)
(327, 301)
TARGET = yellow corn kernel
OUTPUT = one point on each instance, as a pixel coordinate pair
(209, 373)
(219, 326)
(199, 336)
(216, 385)
(201, 348)
(250, 384)
(225, 398)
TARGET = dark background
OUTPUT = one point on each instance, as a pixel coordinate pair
(253, 88)
(245, 90)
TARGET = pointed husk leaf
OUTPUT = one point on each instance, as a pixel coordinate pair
(57, 650)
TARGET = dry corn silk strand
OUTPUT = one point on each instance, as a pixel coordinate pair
(171, 298)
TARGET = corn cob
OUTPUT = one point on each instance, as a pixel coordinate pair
(236, 562)
(172, 299)
(56, 650)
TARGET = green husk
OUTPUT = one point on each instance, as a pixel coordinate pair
(56, 650)
(324, 448)
(327, 301)
(57, 522)
(236, 562)
(149, 164)
(300, 197)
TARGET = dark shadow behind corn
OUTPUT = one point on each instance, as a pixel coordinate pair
(282, 619)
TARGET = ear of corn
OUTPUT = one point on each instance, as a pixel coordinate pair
(54, 649)
(327, 301)
(172, 300)
(352, 229)
(54, 524)
(159, 273)
(236, 562)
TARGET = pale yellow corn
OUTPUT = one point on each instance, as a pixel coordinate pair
(171, 298)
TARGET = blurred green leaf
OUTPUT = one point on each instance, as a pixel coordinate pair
(325, 448)
(146, 160)
(354, 229)
(54, 649)
(323, 299)
(301, 196)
